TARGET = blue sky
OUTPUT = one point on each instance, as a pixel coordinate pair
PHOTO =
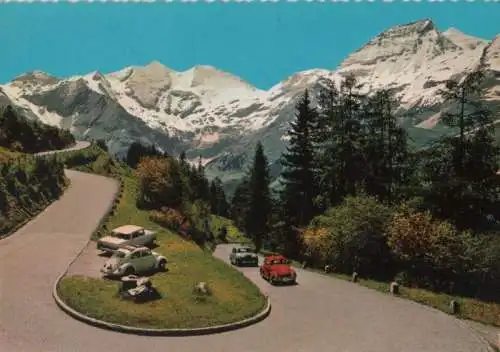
(261, 42)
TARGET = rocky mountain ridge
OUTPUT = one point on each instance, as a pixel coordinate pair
(220, 117)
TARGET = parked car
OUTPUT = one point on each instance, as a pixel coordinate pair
(277, 270)
(244, 256)
(126, 235)
(131, 260)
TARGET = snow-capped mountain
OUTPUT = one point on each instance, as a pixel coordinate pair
(220, 117)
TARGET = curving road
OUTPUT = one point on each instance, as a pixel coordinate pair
(320, 314)
(78, 145)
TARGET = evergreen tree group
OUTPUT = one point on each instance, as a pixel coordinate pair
(27, 182)
(251, 204)
(136, 151)
(350, 144)
(20, 134)
(169, 182)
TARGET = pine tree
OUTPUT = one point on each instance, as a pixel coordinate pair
(325, 144)
(339, 140)
(185, 175)
(259, 199)
(351, 138)
(200, 185)
(222, 203)
(137, 151)
(239, 203)
(387, 153)
(213, 198)
(469, 113)
(461, 172)
(218, 201)
(298, 179)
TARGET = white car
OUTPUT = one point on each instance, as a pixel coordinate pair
(244, 256)
(131, 260)
(126, 235)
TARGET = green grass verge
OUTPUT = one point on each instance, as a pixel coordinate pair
(234, 235)
(233, 297)
(25, 197)
(470, 309)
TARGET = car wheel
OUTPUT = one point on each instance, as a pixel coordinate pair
(129, 271)
(162, 265)
(272, 280)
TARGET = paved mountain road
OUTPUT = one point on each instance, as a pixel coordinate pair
(78, 145)
(320, 314)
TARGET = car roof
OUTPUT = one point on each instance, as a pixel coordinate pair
(275, 257)
(131, 248)
(127, 229)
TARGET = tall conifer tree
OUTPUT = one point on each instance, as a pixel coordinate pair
(259, 199)
(298, 178)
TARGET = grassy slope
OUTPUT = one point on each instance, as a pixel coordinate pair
(234, 235)
(8, 155)
(234, 297)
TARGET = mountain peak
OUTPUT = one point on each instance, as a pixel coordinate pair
(399, 45)
(421, 25)
(208, 75)
(157, 66)
(410, 30)
(207, 69)
(96, 75)
(221, 115)
(36, 77)
(453, 31)
(463, 40)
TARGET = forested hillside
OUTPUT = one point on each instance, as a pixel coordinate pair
(27, 183)
(356, 196)
(175, 194)
(179, 195)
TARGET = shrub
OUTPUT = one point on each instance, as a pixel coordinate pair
(222, 235)
(433, 252)
(169, 218)
(159, 182)
(351, 236)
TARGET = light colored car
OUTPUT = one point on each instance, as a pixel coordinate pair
(244, 256)
(131, 260)
(126, 235)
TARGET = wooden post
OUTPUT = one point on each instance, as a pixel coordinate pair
(354, 277)
(394, 288)
(454, 307)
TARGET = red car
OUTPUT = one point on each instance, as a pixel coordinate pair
(277, 270)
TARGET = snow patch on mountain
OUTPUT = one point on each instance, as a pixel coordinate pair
(16, 92)
(221, 116)
(414, 59)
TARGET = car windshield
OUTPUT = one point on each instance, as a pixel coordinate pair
(244, 250)
(279, 261)
(122, 236)
(119, 254)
